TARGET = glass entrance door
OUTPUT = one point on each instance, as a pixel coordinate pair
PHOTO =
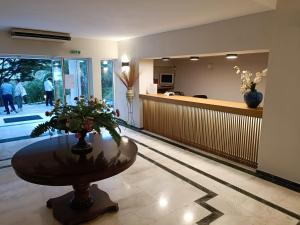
(75, 79)
(69, 80)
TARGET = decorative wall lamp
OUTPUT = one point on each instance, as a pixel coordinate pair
(129, 76)
(125, 64)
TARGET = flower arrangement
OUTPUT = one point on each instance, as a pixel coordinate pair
(81, 118)
(248, 81)
(128, 78)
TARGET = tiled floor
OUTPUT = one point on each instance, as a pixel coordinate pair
(23, 128)
(166, 185)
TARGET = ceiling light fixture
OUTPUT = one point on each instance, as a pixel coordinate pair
(231, 56)
(166, 59)
(194, 58)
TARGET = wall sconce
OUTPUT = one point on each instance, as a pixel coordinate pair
(125, 67)
(125, 64)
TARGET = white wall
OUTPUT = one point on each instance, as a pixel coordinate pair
(215, 77)
(91, 49)
(146, 67)
(251, 32)
(279, 151)
(120, 92)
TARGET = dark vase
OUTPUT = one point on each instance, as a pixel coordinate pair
(82, 147)
(253, 98)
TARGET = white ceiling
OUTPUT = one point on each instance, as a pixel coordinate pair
(119, 19)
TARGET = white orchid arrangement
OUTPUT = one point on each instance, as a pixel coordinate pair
(248, 81)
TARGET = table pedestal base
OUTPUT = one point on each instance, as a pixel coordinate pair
(68, 215)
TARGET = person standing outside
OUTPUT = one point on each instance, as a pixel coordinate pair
(19, 93)
(49, 91)
(7, 95)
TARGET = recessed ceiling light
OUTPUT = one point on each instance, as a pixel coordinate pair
(194, 58)
(165, 59)
(231, 56)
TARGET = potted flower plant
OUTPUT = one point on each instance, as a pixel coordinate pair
(80, 119)
(252, 97)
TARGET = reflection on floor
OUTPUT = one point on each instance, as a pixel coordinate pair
(166, 185)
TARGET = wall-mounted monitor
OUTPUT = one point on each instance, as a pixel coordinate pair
(166, 80)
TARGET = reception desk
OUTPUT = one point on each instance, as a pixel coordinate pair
(227, 129)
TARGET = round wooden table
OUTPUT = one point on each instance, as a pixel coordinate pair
(51, 162)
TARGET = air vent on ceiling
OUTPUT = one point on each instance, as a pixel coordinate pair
(39, 35)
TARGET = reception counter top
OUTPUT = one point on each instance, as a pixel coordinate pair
(217, 105)
(227, 129)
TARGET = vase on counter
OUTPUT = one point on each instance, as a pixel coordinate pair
(253, 97)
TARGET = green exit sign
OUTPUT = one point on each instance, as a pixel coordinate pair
(75, 52)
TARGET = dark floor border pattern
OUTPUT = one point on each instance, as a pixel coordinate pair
(210, 194)
(20, 138)
(240, 190)
(4, 159)
(215, 214)
(3, 167)
(278, 180)
(263, 175)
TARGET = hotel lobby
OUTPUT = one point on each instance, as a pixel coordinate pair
(150, 112)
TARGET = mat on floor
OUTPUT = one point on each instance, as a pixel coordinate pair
(22, 118)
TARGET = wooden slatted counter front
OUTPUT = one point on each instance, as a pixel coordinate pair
(227, 129)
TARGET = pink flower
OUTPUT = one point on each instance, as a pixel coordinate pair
(117, 112)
